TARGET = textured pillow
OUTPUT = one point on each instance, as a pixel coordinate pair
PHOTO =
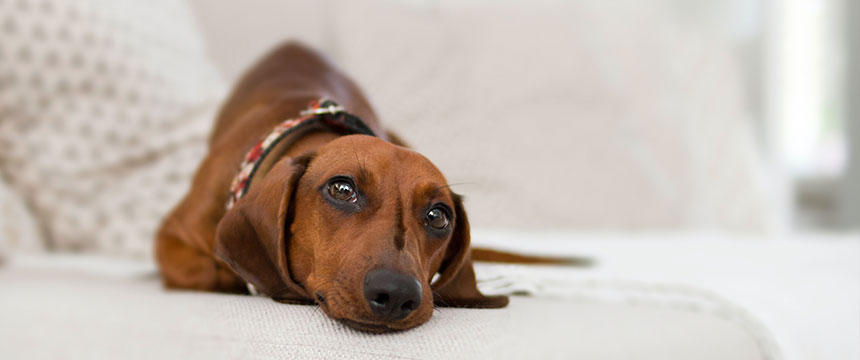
(586, 114)
(104, 110)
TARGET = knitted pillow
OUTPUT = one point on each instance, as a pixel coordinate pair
(104, 110)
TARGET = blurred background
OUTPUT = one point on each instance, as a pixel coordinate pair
(721, 116)
(736, 117)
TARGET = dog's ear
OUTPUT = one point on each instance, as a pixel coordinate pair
(456, 286)
(253, 236)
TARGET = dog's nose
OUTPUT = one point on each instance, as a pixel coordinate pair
(391, 295)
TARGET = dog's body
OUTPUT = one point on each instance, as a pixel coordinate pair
(356, 224)
(277, 88)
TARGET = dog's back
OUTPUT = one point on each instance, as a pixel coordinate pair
(282, 84)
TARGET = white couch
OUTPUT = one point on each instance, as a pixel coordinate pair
(80, 307)
(797, 299)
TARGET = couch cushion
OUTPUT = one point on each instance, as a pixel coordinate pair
(48, 311)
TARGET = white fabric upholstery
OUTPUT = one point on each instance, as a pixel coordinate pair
(57, 311)
(104, 111)
(805, 290)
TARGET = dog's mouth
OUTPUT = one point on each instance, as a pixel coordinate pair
(354, 324)
(366, 327)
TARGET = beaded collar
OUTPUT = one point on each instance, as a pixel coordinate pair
(322, 111)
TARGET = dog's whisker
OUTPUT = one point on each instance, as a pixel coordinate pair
(362, 171)
(454, 184)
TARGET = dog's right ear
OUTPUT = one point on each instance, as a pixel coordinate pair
(253, 236)
(456, 285)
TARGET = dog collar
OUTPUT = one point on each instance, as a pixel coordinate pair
(320, 111)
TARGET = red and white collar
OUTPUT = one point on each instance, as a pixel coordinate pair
(319, 111)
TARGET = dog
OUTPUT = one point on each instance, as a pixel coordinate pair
(339, 212)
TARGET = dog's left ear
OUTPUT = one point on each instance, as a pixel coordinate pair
(456, 285)
(253, 236)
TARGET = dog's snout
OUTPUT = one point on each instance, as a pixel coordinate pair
(391, 295)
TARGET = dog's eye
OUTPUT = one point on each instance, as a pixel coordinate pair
(437, 218)
(342, 190)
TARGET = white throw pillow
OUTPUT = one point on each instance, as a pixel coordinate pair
(105, 107)
(582, 114)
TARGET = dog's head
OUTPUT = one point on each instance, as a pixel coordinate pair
(368, 230)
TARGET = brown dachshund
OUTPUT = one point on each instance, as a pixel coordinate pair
(360, 225)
